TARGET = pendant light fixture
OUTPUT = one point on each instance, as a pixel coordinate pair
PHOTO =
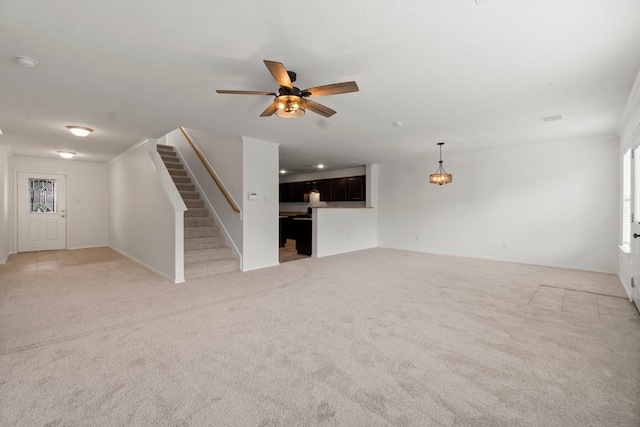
(440, 177)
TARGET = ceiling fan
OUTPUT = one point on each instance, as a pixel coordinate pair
(290, 101)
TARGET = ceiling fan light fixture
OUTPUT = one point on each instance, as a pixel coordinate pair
(289, 106)
(80, 130)
(440, 177)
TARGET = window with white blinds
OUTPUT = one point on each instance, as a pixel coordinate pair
(626, 199)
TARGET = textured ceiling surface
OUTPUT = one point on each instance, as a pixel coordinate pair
(475, 75)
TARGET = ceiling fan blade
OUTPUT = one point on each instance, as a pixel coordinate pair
(245, 92)
(319, 108)
(279, 73)
(269, 111)
(333, 89)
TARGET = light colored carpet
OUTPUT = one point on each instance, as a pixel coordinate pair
(372, 338)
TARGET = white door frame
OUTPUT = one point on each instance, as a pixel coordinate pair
(635, 223)
(16, 207)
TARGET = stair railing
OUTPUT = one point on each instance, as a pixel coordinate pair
(213, 175)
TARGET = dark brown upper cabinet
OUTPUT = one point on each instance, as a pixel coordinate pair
(292, 192)
(325, 187)
(331, 190)
(355, 188)
(339, 189)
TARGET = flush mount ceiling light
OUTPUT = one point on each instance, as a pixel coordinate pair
(26, 62)
(289, 106)
(66, 154)
(80, 130)
(440, 177)
(321, 166)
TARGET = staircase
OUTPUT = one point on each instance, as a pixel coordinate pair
(205, 250)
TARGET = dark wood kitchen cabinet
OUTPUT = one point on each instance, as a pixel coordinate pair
(285, 190)
(355, 188)
(292, 192)
(342, 189)
(339, 189)
(325, 187)
(331, 190)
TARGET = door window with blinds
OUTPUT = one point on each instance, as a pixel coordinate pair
(626, 199)
(42, 195)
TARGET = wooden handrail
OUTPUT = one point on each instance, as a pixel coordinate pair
(213, 175)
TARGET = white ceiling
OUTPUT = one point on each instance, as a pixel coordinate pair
(475, 74)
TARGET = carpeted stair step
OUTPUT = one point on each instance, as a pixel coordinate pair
(210, 268)
(170, 161)
(189, 195)
(204, 243)
(181, 179)
(164, 148)
(193, 203)
(199, 222)
(193, 232)
(196, 213)
(206, 255)
(178, 166)
(177, 172)
(186, 187)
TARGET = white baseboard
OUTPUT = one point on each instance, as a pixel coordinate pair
(3, 260)
(88, 247)
(514, 261)
(136, 260)
(626, 286)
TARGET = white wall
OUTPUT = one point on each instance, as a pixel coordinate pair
(142, 220)
(224, 154)
(550, 203)
(87, 197)
(260, 217)
(5, 203)
(340, 230)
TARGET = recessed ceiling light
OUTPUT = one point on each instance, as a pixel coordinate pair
(283, 171)
(66, 154)
(1, 132)
(80, 130)
(552, 118)
(320, 166)
(397, 124)
(26, 62)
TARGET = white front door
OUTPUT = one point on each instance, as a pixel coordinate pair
(42, 212)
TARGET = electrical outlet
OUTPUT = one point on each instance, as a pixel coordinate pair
(417, 238)
(504, 245)
(347, 237)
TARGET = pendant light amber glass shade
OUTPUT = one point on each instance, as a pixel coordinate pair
(440, 176)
